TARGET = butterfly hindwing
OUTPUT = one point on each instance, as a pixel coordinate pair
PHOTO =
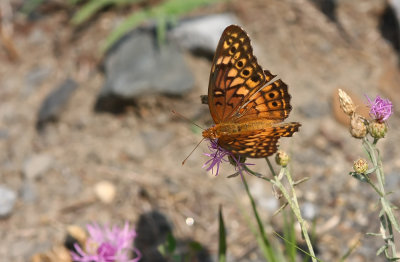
(257, 143)
(235, 74)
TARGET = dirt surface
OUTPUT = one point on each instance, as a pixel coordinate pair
(140, 152)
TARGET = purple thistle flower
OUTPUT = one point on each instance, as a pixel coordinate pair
(217, 156)
(380, 109)
(107, 245)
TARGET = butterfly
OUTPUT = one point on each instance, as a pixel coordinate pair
(246, 103)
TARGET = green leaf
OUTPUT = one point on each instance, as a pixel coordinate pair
(383, 248)
(170, 243)
(290, 235)
(374, 234)
(161, 29)
(94, 6)
(132, 21)
(222, 237)
(195, 246)
(370, 171)
(349, 251)
(74, 2)
(359, 177)
(89, 10)
(166, 10)
(169, 246)
(389, 213)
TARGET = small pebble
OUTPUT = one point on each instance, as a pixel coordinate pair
(105, 191)
(308, 210)
(7, 201)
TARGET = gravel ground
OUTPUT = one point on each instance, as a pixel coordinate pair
(55, 172)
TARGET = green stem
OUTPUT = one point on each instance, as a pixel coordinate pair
(387, 225)
(269, 253)
(373, 186)
(378, 165)
(391, 238)
(294, 205)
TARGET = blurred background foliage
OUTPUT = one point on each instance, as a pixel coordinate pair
(161, 12)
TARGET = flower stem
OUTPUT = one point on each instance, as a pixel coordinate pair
(269, 253)
(389, 220)
(373, 186)
(293, 203)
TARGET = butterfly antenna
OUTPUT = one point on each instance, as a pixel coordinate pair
(183, 162)
(187, 119)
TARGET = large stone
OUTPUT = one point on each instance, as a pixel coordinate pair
(138, 66)
(55, 102)
(201, 34)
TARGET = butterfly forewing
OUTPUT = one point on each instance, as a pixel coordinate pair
(235, 74)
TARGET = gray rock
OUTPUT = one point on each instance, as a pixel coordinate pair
(7, 201)
(202, 34)
(54, 103)
(137, 66)
(395, 5)
(36, 165)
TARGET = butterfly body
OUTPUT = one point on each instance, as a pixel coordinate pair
(222, 129)
(247, 106)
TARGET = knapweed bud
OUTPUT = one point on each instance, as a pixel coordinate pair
(377, 129)
(360, 166)
(282, 158)
(358, 127)
(346, 104)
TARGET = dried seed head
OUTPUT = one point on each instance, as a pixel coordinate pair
(360, 166)
(358, 127)
(346, 104)
(282, 158)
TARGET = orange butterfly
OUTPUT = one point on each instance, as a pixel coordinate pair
(246, 107)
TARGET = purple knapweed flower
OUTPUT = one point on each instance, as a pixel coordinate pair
(380, 109)
(218, 155)
(107, 245)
